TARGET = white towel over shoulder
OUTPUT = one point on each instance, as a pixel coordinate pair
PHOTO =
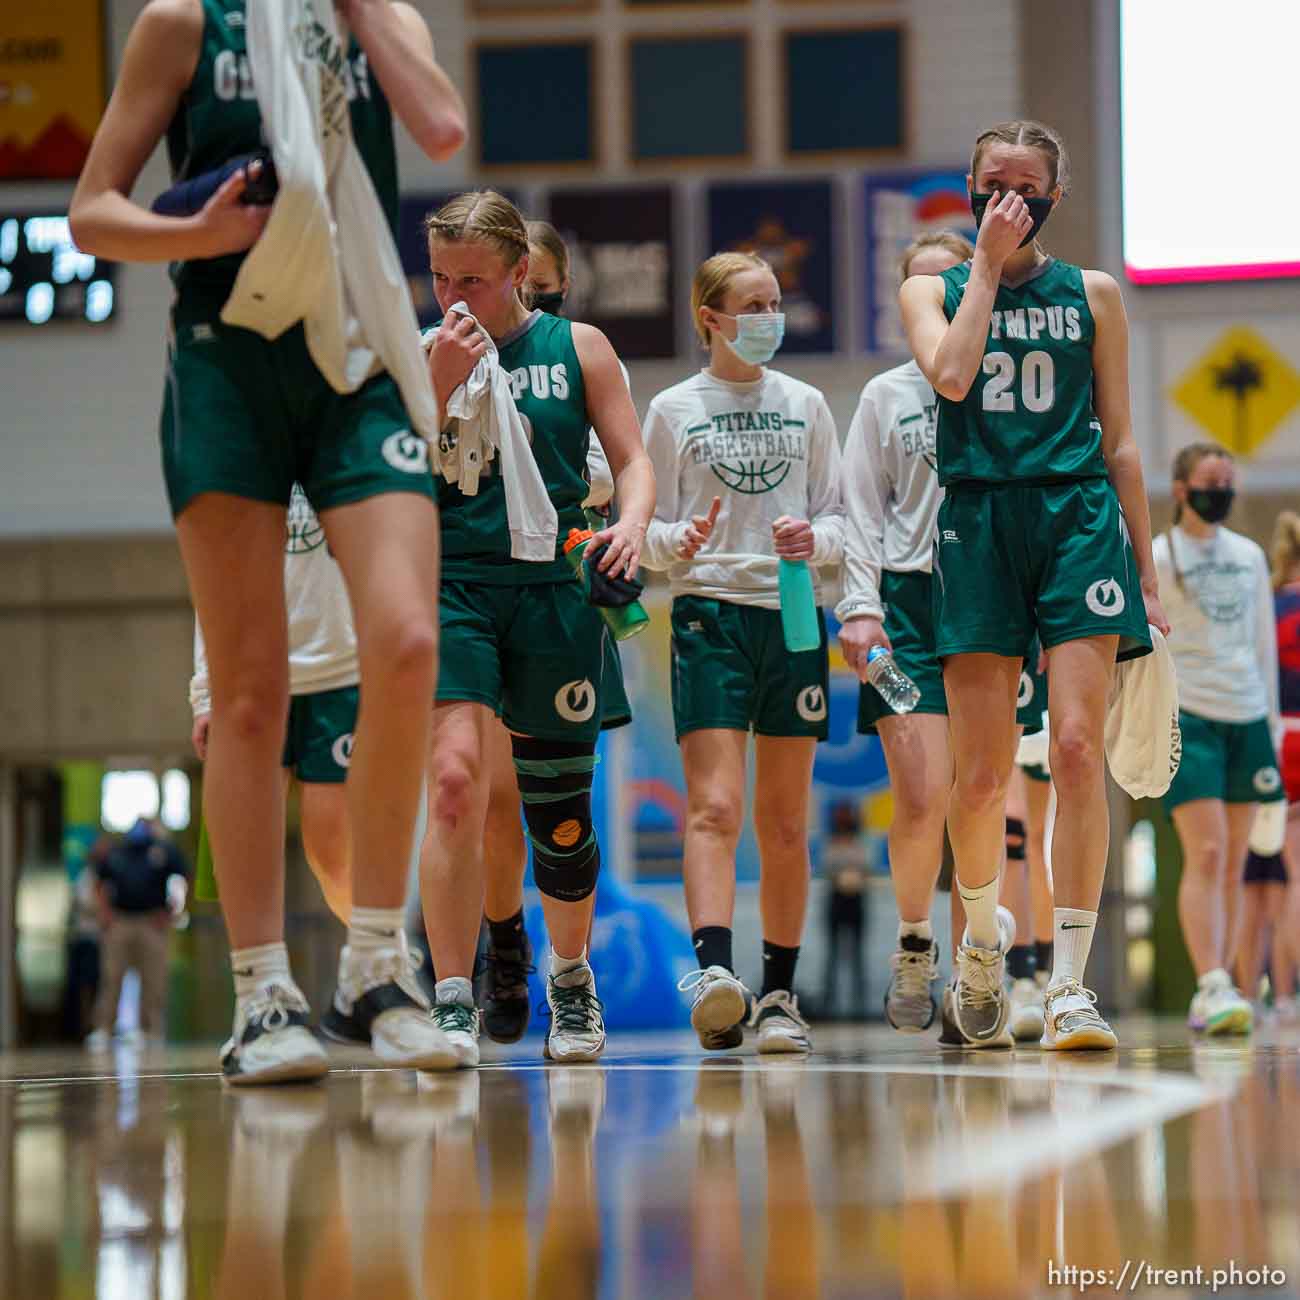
(1144, 744)
(326, 256)
(487, 427)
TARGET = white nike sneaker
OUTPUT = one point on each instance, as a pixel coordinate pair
(1072, 1021)
(271, 1042)
(577, 1030)
(981, 1004)
(1026, 1019)
(379, 1002)
(717, 1007)
(1221, 1009)
(780, 1026)
(459, 1024)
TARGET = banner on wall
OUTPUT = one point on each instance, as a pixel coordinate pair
(896, 208)
(621, 264)
(52, 87)
(789, 225)
(849, 768)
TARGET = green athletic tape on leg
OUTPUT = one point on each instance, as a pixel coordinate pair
(552, 767)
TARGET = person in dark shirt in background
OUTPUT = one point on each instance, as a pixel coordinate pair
(143, 882)
(844, 862)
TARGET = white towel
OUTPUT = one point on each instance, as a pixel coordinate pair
(487, 427)
(326, 256)
(1144, 743)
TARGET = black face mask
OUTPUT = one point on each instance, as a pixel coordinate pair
(1212, 504)
(549, 302)
(1039, 211)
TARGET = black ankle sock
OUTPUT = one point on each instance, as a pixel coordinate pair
(1020, 962)
(509, 933)
(778, 968)
(1043, 956)
(713, 946)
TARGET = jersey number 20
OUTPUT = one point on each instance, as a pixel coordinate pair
(1037, 382)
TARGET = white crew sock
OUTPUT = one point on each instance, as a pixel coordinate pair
(1072, 930)
(561, 965)
(455, 988)
(375, 929)
(981, 904)
(255, 968)
(916, 930)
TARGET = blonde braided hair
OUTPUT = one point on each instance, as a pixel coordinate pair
(481, 215)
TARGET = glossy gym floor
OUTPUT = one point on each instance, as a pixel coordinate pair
(882, 1166)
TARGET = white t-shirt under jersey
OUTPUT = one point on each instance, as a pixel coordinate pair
(1223, 639)
(891, 486)
(322, 642)
(767, 449)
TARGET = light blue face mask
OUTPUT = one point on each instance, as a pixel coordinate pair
(758, 335)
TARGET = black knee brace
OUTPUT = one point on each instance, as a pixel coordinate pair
(1015, 840)
(555, 786)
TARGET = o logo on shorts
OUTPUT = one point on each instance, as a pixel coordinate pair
(576, 701)
(1105, 598)
(406, 451)
(1268, 780)
(810, 704)
(566, 833)
(1026, 690)
(341, 750)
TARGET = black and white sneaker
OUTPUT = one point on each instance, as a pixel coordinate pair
(501, 989)
(271, 1041)
(379, 1002)
(909, 1003)
(780, 1027)
(577, 1030)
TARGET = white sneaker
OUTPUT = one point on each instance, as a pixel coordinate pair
(577, 1031)
(459, 1023)
(1026, 1019)
(950, 1034)
(909, 1002)
(1219, 1007)
(717, 1007)
(980, 1004)
(1072, 1021)
(780, 1026)
(379, 1002)
(99, 1041)
(271, 1042)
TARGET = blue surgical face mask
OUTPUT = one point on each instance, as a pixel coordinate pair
(758, 335)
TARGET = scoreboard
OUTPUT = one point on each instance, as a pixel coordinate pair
(45, 277)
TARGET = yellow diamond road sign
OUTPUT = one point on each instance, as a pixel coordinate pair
(1240, 390)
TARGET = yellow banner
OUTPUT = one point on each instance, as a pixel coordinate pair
(52, 86)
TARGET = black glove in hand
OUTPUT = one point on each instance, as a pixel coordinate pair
(604, 588)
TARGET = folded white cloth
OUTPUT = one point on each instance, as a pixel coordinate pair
(326, 256)
(488, 427)
(1144, 743)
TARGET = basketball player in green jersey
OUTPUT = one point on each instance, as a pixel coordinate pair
(519, 638)
(1045, 528)
(244, 418)
(501, 981)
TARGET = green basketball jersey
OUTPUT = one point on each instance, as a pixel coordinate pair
(1028, 416)
(218, 119)
(546, 381)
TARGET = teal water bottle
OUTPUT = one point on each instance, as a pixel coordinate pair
(799, 622)
(624, 621)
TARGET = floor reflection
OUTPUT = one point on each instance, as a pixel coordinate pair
(891, 1171)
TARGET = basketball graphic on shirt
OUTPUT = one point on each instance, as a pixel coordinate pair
(304, 529)
(752, 477)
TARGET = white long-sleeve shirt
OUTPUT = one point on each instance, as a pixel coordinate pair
(322, 642)
(1223, 641)
(891, 487)
(767, 449)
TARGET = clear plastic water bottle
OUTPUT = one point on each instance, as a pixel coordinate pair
(896, 688)
(800, 626)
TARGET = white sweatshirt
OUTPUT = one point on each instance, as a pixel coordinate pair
(767, 448)
(322, 643)
(891, 487)
(1223, 641)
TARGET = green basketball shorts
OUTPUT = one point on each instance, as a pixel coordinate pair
(533, 654)
(318, 740)
(909, 623)
(731, 670)
(1049, 558)
(1232, 761)
(616, 708)
(252, 416)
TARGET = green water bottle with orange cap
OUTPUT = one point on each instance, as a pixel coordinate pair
(616, 598)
